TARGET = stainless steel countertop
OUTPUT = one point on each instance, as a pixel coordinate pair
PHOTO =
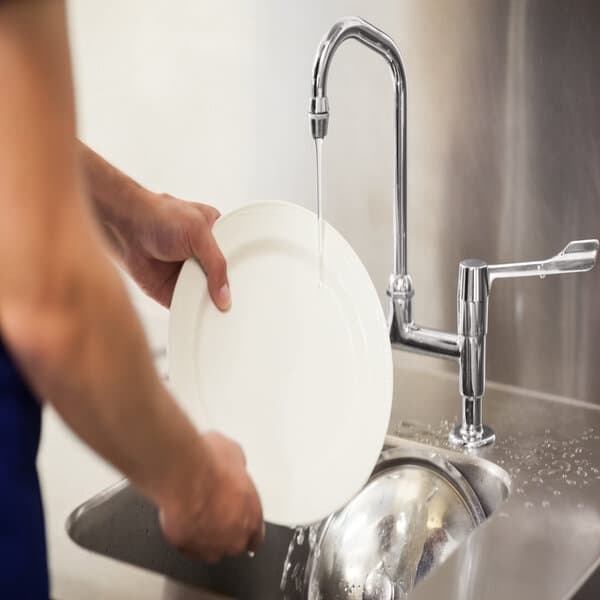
(542, 543)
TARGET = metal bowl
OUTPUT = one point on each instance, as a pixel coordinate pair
(414, 511)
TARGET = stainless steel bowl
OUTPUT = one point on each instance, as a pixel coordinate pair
(415, 510)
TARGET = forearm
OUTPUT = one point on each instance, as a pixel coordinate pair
(89, 359)
(117, 198)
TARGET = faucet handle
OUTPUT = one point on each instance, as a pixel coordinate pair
(474, 280)
(577, 256)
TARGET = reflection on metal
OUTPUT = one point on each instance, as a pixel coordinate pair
(409, 518)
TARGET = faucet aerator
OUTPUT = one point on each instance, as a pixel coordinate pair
(318, 125)
(319, 116)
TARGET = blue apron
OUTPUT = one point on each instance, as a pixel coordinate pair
(23, 570)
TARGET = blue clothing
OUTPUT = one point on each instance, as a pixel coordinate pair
(23, 569)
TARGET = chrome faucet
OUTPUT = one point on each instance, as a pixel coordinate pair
(475, 277)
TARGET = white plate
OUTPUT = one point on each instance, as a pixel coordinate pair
(297, 372)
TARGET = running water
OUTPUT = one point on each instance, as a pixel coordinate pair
(320, 221)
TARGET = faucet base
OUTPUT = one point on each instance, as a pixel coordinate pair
(460, 438)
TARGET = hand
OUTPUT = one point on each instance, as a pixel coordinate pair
(220, 513)
(163, 232)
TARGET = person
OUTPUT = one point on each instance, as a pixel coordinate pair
(69, 335)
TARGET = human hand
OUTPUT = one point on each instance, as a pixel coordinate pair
(164, 232)
(219, 512)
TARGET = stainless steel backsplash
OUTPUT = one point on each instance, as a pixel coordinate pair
(503, 161)
(519, 168)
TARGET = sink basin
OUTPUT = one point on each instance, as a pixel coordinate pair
(120, 523)
(490, 482)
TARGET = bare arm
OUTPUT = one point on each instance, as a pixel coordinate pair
(65, 315)
(154, 233)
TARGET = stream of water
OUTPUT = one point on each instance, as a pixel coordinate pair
(320, 220)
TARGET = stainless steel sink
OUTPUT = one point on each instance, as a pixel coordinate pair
(122, 524)
(539, 486)
(490, 482)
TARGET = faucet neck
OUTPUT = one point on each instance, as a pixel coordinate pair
(377, 40)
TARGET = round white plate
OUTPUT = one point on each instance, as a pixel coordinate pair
(298, 372)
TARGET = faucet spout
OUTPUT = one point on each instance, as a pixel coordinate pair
(377, 40)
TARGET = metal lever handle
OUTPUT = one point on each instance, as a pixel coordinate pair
(575, 257)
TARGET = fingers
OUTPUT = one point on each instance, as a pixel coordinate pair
(257, 524)
(223, 516)
(249, 540)
(257, 537)
(252, 539)
(210, 556)
(206, 250)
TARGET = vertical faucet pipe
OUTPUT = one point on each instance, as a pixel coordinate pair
(377, 40)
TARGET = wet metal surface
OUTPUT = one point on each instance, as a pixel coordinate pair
(408, 519)
(541, 543)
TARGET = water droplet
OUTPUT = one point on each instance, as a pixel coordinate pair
(545, 504)
(580, 506)
(528, 504)
(556, 492)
